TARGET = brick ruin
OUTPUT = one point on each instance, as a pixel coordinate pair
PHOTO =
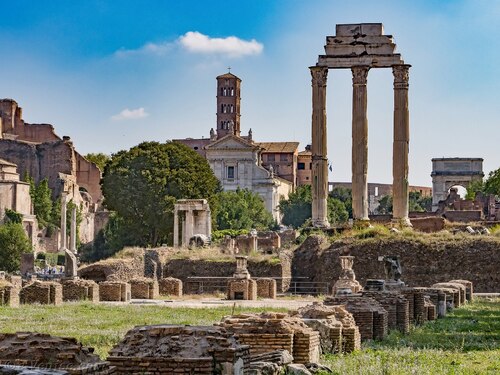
(241, 286)
(169, 349)
(272, 331)
(116, 291)
(42, 292)
(80, 290)
(170, 286)
(10, 287)
(144, 288)
(45, 351)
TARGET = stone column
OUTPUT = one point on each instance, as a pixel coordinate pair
(176, 227)
(189, 223)
(319, 148)
(72, 245)
(63, 222)
(359, 144)
(400, 145)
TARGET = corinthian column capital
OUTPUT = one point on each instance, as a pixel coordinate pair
(359, 74)
(319, 75)
(401, 76)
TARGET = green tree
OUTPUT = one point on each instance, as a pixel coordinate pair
(42, 202)
(242, 209)
(344, 195)
(492, 183)
(337, 212)
(297, 208)
(474, 187)
(143, 183)
(385, 205)
(13, 242)
(98, 159)
(419, 203)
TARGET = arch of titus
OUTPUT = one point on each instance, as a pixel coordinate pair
(360, 47)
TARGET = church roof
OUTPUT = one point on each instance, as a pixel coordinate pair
(228, 75)
(226, 138)
(279, 147)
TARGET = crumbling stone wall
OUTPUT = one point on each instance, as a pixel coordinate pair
(397, 307)
(243, 289)
(184, 268)
(114, 269)
(424, 262)
(170, 349)
(9, 294)
(42, 292)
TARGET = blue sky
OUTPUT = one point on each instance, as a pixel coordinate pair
(111, 74)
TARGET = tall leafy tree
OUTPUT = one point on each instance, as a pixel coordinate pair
(13, 242)
(143, 183)
(242, 209)
(99, 159)
(492, 183)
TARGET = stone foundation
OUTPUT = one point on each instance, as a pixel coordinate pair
(241, 289)
(266, 288)
(80, 290)
(469, 290)
(170, 286)
(370, 316)
(46, 351)
(169, 349)
(272, 331)
(42, 292)
(144, 288)
(114, 291)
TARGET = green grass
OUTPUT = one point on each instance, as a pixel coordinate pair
(102, 326)
(467, 341)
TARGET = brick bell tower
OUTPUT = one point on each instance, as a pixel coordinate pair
(228, 105)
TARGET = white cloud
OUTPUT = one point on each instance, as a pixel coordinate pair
(196, 42)
(232, 46)
(130, 114)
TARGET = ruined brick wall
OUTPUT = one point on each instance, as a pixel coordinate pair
(428, 224)
(116, 291)
(144, 288)
(80, 290)
(424, 262)
(42, 292)
(9, 294)
(244, 289)
(114, 269)
(170, 286)
(266, 288)
(88, 176)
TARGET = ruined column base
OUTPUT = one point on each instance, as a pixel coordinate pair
(403, 222)
(361, 223)
(323, 224)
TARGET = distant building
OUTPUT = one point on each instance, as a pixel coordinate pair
(304, 167)
(267, 168)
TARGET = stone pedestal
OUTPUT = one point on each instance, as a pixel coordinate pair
(241, 286)
(347, 280)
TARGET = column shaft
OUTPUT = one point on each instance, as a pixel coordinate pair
(319, 148)
(401, 145)
(63, 222)
(359, 143)
(72, 245)
(176, 228)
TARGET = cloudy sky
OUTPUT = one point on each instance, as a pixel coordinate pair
(111, 74)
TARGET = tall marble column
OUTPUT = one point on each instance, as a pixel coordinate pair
(359, 143)
(72, 237)
(176, 228)
(319, 148)
(400, 145)
(63, 222)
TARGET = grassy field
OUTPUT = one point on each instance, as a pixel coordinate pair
(467, 341)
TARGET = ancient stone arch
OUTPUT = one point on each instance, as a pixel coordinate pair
(448, 172)
(359, 47)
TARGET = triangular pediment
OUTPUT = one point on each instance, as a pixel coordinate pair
(231, 142)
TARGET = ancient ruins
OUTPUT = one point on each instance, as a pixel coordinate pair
(360, 47)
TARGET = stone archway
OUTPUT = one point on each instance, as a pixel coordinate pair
(359, 47)
(448, 172)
